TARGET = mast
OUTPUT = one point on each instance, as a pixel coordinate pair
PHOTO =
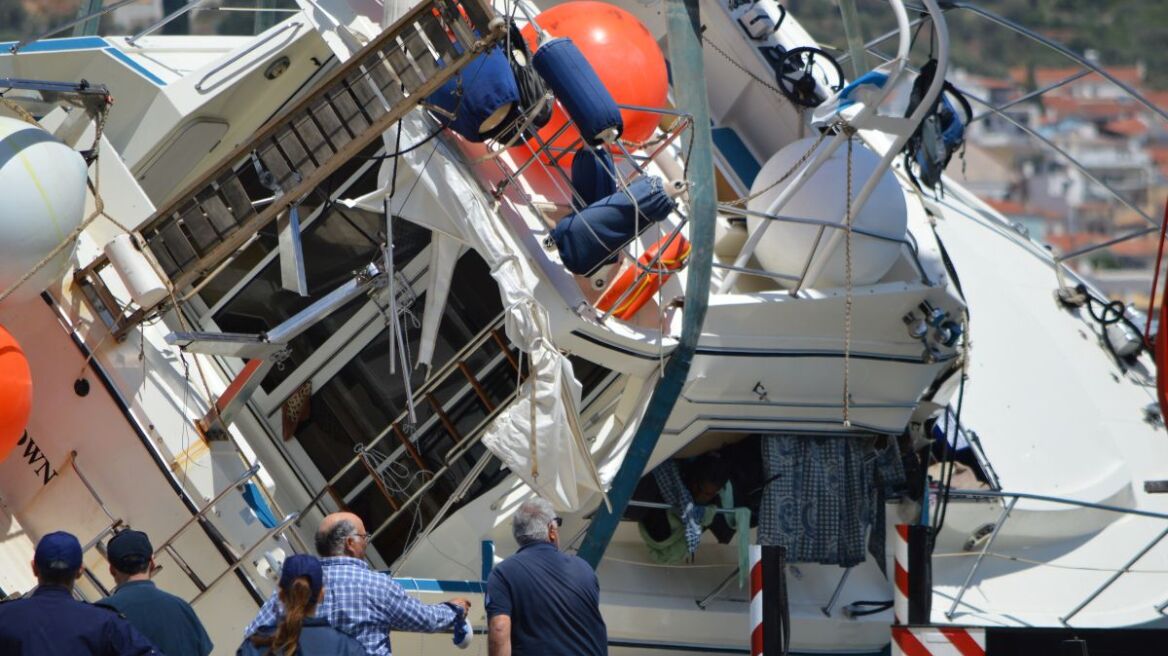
(685, 57)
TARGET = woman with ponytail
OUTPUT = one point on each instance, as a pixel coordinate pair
(298, 632)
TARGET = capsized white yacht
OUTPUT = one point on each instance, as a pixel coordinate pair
(354, 262)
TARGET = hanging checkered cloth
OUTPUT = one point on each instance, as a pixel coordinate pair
(819, 501)
(676, 494)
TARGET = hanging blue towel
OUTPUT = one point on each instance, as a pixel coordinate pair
(593, 175)
(591, 237)
(574, 82)
(483, 86)
(255, 500)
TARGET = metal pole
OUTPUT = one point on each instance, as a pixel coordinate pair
(685, 54)
(705, 601)
(981, 556)
(835, 595)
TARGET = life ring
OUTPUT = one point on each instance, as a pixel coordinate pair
(672, 259)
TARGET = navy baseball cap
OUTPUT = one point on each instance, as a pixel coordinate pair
(58, 552)
(303, 565)
(129, 550)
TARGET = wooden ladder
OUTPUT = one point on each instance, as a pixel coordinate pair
(294, 153)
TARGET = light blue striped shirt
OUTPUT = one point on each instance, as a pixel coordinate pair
(366, 605)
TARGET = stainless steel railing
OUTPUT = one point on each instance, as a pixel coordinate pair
(1013, 498)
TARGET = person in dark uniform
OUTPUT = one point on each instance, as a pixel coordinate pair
(298, 631)
(51, 622)
(165, 619)
(541, 601)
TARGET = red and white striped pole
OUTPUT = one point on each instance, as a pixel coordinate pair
(900, 577)
(770, 632)
(912, 594)
(756, 643)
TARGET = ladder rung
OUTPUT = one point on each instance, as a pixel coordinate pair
(404, 70)
(203, 235)
(217, 212)
(348, 111)
(274, 161)
(236, 197)
(157, 246)
(444, 419)
(177, 244)
(477, 386)
(419, 49)
(381, 74)
(362, 88)
(313, 140)
(297, 156)
(330, 124)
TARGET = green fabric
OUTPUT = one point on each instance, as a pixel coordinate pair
(673, 549)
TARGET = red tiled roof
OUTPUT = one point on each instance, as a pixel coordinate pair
(1093, 108)
(1006, 206)
(1145, 246)
(1045, 76)
(1128, 127)
(1067, 242)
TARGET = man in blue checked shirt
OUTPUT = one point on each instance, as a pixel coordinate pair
(359, 601)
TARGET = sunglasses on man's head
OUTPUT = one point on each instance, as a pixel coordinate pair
(558, 520)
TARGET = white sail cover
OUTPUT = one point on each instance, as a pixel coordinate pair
(447, 202)
(557, 463)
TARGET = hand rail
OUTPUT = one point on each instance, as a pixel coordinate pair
(1014, 497)
(284, 524)
(295, 27)
(244, 477)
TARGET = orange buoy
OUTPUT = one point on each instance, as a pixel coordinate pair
(15, 393)
(672, 259)
(625, 57)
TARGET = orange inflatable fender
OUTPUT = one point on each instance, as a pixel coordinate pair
(624, 55)
(15, 393)
(672, 259)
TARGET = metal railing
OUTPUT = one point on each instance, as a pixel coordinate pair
(1086, 67)
(167, 545)
(1014, 497)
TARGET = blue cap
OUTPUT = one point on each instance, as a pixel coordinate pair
(306, 566)
(129, 550)
(58, 552)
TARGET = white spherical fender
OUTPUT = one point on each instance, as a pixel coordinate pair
(42, 200)
(785, 246)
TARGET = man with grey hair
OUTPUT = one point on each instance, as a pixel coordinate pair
(540, 601)
(359, 601)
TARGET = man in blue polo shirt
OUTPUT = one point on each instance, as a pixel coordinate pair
(167, 620)
(541, 602)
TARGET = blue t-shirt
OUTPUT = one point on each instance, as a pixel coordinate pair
(553, 600)
(167, 620)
